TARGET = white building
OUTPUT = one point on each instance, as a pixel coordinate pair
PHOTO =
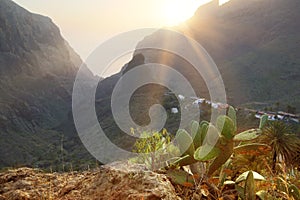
(215, 105)
(181, 97)
(174, 110)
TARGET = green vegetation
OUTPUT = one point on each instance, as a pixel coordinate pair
(261, 163)
(153, 148)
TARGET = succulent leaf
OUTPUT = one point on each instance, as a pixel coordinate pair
(250, 187)
(248, 135)
(227, 151)
(196, 134)
(226, 126)
(212, 135)
(185, 143)
(183, 161)
(232, 116)
(180, 177)
(244, 176)
(206, 152)
(203, 130)
(263, 121)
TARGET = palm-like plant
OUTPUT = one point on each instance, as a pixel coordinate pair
(285, 144)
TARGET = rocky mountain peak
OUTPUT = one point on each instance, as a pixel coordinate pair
(32, 44)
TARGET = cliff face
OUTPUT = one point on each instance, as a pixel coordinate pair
(32, 44)
(37, 71)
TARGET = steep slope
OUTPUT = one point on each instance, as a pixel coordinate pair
(37, 70)
(255, 45)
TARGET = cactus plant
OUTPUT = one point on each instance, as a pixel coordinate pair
(201, 144)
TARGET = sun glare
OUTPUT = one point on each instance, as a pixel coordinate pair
(178, 11)
(223, 1)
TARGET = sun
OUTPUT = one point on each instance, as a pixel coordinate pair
(178, 11)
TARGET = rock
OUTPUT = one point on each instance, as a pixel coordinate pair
(119, 180)
(126, 181)
(17, 195)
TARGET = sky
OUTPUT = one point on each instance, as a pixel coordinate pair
(87, 23)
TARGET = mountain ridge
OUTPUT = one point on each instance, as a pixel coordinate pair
(37, 71)
(249, 43)
(254, 44)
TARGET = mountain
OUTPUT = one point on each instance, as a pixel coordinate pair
(255, 45)
(37, 71)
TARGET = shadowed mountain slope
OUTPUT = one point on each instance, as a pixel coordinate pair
(255, 45)
(37, 71)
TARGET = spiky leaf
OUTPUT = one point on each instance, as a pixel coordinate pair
(226, 126)
(185, 143)
(263, 121)
(206, 152)
(250, 187)
(244, 176)
(248, 135)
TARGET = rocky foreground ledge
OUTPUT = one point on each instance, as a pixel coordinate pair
(114, 181)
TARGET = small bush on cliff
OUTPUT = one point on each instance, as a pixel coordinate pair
(153, 148)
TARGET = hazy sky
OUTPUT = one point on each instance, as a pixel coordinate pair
(87, 23)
